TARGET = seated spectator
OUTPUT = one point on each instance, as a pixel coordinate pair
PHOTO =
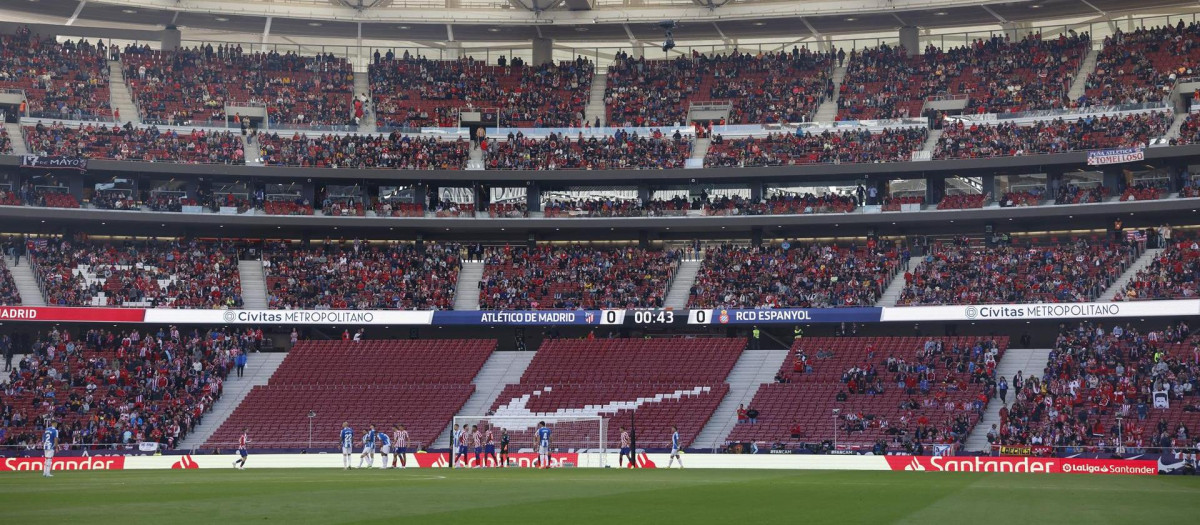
(1141, 65)
(962, 140)
(6, 147)
(175, 274)
(623, 150)
(354, 151)
(963, 201)
(781, 204)
(1189, 131)
(812, 276)
(891, 145)
(1073, 271)
(362, 276)
(1171, 275)
(1014, 199)
(575, 277)
(135, 144)
(1074, 194)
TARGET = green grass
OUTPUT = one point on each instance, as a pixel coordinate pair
(586, 496)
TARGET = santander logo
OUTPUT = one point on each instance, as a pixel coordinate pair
(1022, 464)
(644, 461)
(185, 462)
(914, 465)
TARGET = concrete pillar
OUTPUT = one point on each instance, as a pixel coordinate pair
(644, 193)
(935, 189)
(543, 51)
(909, 38)
(638, 50)
(988, 182)
(171, 38)
(453, 51)
(533, 197)
(756, 190)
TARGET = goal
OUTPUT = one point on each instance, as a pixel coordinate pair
(579, 441)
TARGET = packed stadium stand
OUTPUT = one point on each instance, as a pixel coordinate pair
(967, 140)
(6, 146)
(413, 92)
(99, 141)
(153, 274)
(67, 80)
(891, 389)
(9, 295)
(828, 147)
(366, 151)
(571, 277)
(420, 384)
(1100, 387)
(118, 387)
(362, 276)
(1171, 275)
(1060, 270)
(799, 276)
(660, 382)
(1142, 65)
(622, 150)
(194, 85)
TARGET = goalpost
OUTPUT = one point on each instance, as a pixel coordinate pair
(575, 441)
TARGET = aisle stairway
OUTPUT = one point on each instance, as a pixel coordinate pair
(26, 283)
(595, 107)
(362, 84)
(259, 368)
(17, 138)
(119, 95)
(1141, 263)
(753, 368)
(1078, 86)
(1027, 361)
(681, 284)
(501, 369)
(466, 295)
(891, 294)
(827, 112)
(254, 285)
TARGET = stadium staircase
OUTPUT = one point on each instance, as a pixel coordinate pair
(753, 368)
(681, 284)
(500, 370)
(467, 288)
(1140, 264)
(26, 283)
(18, 138)
(1025, 360)
(595, 107)
(254, 285)
(251, 151)
(362, 84)
(119, 96)
(891, 294)
(4, 376)
(475, 160)
(1078, 86)
(700, 150)
(1171, 134)
(931, 141)
(259, 368)
(829, 108)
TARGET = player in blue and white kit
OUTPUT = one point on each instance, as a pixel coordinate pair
(49, 443)
(463, 436)
(675, 448)
(368, 453)
(347, 440)
(454, 454)
(543, 442)
(385, 446)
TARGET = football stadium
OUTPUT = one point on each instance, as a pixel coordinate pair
(599, 261)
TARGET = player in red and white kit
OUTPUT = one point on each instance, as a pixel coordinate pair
(489, 447)
(399, 446)
(242, 442)
(477, 442)
(625, 452)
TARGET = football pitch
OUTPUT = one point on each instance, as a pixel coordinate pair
(587, 496)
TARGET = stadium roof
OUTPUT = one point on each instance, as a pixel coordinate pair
(592, 21)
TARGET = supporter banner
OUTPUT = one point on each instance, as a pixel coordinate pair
(1023, 465)
(53, 162)
(1043, 311)
(786, 316)
(1147, 465)
(1023, 450)
(64, 314)
(291, 317)
(1115, 156)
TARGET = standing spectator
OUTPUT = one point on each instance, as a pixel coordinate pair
(1002, 389)
(241, 363)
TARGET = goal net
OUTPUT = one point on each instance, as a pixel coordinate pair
(578, 441)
